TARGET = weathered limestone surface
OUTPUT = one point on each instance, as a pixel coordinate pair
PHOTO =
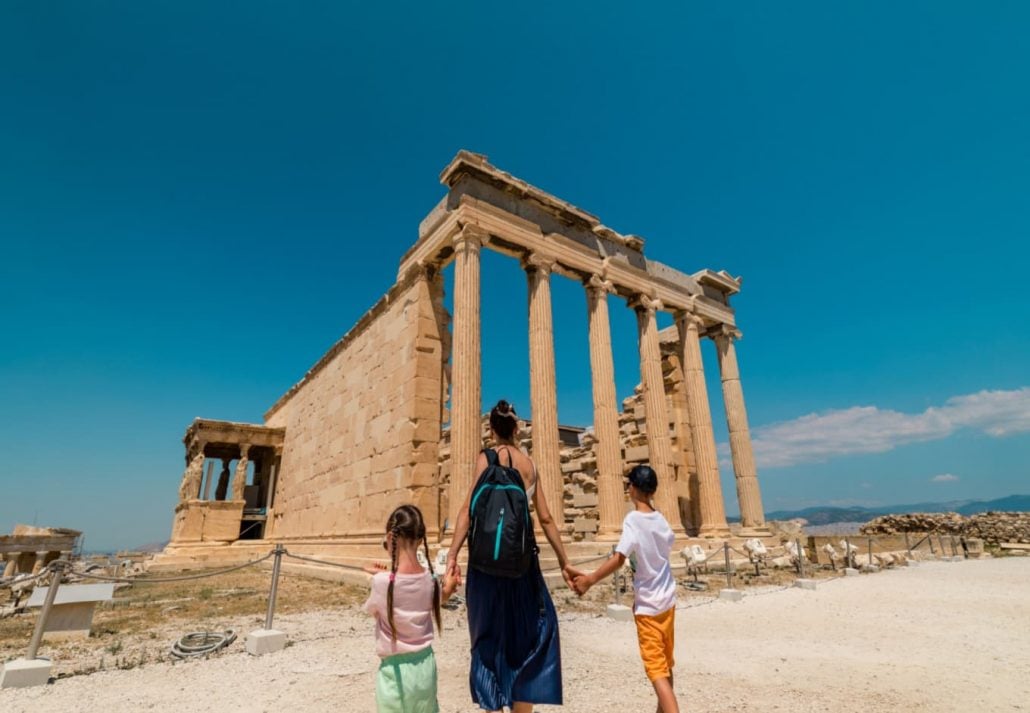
(362, 429)
(655, 411)
(607, 446)
(543, 383)
(711, 511)
(748, 494)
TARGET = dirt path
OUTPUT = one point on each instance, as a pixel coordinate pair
(938, 637)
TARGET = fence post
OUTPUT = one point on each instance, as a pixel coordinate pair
(929, 538)
(870, 550)
(908, 545)
(954, 549)
(48, 603)
(729, 575)
(274, 592)
(801, 557)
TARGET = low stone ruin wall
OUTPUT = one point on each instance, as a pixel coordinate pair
(992, 527)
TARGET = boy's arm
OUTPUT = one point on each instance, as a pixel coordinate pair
(613, 563)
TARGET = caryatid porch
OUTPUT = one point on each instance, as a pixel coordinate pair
(487, 208)
(235, 510)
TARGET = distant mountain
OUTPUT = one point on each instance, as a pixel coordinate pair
(830, 515)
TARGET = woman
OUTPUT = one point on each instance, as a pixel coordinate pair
(516, 657)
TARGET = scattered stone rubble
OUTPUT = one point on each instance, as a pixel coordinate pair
(993, 528)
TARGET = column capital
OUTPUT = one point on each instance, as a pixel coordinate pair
(646, 303)
(469, 235)
(690, 319)
(538, 262)
(724, 332)
(598, 283)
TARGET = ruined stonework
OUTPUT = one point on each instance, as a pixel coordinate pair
(392, 413)
(993, 528)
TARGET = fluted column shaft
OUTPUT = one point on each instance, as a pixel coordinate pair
(688, 477)
(543, 387)
(656, 415)
(608, 445)
(748, 494)
(711, 510)
(466, 388)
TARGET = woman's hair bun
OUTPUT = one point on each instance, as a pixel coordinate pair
(503, 408)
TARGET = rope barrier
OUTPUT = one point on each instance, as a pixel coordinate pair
(313, 560)
(29, 578)
(182, 578)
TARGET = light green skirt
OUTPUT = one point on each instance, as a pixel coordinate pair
(407, 683)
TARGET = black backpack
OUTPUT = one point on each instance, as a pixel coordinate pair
(501, 541)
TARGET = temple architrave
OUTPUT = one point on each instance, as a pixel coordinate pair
(391, 414)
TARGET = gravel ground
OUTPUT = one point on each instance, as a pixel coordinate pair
(937, 637)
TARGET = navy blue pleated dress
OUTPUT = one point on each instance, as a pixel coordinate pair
(516, 655)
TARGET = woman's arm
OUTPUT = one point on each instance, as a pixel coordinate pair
(461, 527)
(551, 531)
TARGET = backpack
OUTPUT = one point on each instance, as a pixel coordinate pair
(501, 541)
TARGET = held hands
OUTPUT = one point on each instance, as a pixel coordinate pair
(582, 583)
(572, 576)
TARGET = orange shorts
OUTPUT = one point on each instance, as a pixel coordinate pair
(656, 635)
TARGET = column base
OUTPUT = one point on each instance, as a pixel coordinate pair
(721, 531)
(757, 531)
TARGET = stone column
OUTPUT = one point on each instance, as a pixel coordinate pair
(223, 481)
(543, 387)
(711, 511)
(688, 472)
(608, 446)
(11, 566)
(239, 479)
(40, 562)
(748, 494)
(657, 417)
(466, 389)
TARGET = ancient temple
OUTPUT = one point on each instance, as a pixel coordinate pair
(391, 413)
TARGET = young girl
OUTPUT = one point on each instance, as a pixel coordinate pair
(404, 601)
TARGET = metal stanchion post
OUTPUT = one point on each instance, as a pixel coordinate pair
(268, 640)
(929, 538)
(729, 574)
(274, 592)
(908, 545)
(801, 557)
(954, 549)
(870, 551)
(848, 557)
(48, 603)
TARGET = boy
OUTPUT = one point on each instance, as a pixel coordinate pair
(647, 537)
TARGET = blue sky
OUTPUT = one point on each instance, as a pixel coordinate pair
(197, 199)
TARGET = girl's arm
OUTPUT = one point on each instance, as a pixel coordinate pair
(551, 531)
(461, 527)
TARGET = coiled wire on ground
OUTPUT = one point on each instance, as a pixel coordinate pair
(202, 643)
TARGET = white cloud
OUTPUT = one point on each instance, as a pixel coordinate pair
(944, 478)
(819, 437)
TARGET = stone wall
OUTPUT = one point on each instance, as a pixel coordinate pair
(363, 426)
(991, 527)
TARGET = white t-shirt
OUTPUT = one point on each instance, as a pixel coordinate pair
(648, 538)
